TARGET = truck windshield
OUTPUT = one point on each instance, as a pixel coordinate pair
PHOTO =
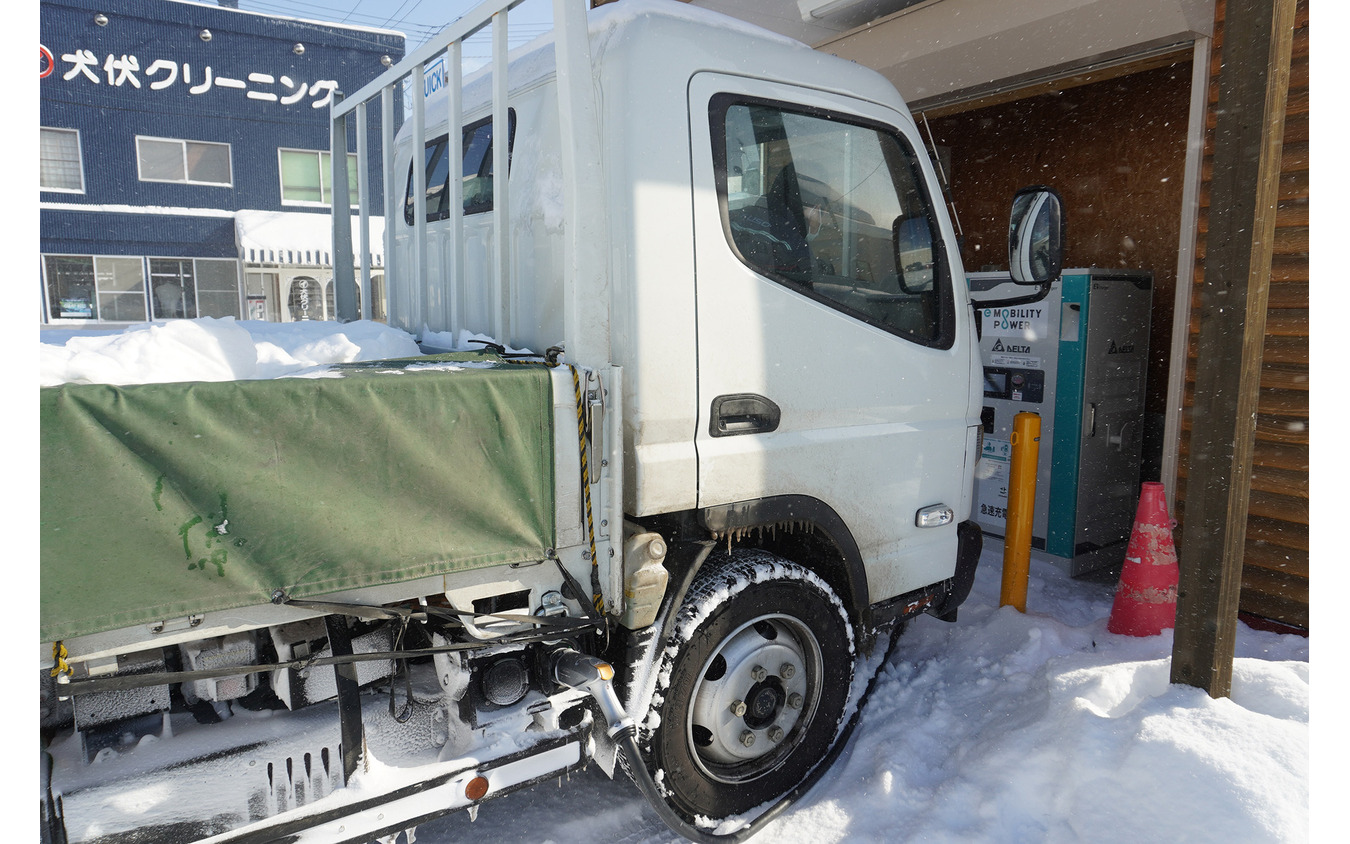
(836, 210)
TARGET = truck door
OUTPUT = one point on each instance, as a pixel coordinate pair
(834, 355)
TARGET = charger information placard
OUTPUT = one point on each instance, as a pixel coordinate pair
(993, 473)
(1029, 322)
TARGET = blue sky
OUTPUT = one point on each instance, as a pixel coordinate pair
(418, 19)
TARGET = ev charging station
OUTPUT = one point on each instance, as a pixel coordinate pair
(1076, 354)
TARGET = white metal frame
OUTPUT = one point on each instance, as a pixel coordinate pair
(587, 277)
(1185, 278)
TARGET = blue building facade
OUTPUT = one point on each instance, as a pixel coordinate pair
(184, 159)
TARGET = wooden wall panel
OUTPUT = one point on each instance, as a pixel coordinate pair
(1276, 563)
(1115, 150)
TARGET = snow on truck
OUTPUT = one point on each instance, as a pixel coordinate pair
(739, 456)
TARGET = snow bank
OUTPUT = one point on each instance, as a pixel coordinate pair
(209, 349)
(1045, 727)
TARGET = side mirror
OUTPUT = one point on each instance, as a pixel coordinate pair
(912, 245)
(1036, 235)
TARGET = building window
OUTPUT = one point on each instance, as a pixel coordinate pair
(218, 288)
(62, 169)
(183, 162)
(86, 287)
(184, 288)
(306, 174)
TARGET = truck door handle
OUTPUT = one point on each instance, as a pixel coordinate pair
(743, 413)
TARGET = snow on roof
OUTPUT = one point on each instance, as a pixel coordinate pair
(295, 237)
(333, 24)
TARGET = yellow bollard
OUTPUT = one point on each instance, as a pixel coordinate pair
(1026, 451)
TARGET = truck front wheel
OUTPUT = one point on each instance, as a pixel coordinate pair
(752, 687)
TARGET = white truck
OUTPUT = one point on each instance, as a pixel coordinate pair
(723, 446)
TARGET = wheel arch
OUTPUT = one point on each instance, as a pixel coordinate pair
(806, 531)
(798, 528)
(803, 530)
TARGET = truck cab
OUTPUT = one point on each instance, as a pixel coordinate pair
(775, 278)
(782, 287)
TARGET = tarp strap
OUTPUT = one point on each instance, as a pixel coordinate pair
(401, 716)
(597, 597)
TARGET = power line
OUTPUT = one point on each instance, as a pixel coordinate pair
(395, 17)
(416, 34)
(352, 10)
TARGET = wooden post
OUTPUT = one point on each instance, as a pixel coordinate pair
(1248, 135)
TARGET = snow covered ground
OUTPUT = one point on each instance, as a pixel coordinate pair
(1014, 728)
(1002, 727)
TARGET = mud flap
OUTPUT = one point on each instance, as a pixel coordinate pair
(348, 695)
(969, 544)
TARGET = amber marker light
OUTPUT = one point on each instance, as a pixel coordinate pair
(476, 789)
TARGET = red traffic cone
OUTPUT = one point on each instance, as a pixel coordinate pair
(1146, 597)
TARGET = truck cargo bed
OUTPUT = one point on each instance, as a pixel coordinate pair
(162, 501)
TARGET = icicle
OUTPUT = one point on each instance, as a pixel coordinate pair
(473, 813)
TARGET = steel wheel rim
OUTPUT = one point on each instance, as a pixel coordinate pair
(743, 722)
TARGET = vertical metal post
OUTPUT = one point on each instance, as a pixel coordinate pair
(363, 202)
(1026, 452)
(501, 211)
(417, 297)
(454, 60)
(393, 211)
(585, 251)
(344, 278)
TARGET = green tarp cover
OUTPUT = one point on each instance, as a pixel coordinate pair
(166, 500)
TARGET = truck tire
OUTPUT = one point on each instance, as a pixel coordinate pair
(752, 686)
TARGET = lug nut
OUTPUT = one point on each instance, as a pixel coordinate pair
(775, 734)
(747, 738)
(787, 670)
(758, 673)
(738, 708)
(795, 700)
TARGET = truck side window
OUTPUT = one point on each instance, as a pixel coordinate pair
(476, 172)
(834, 208)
